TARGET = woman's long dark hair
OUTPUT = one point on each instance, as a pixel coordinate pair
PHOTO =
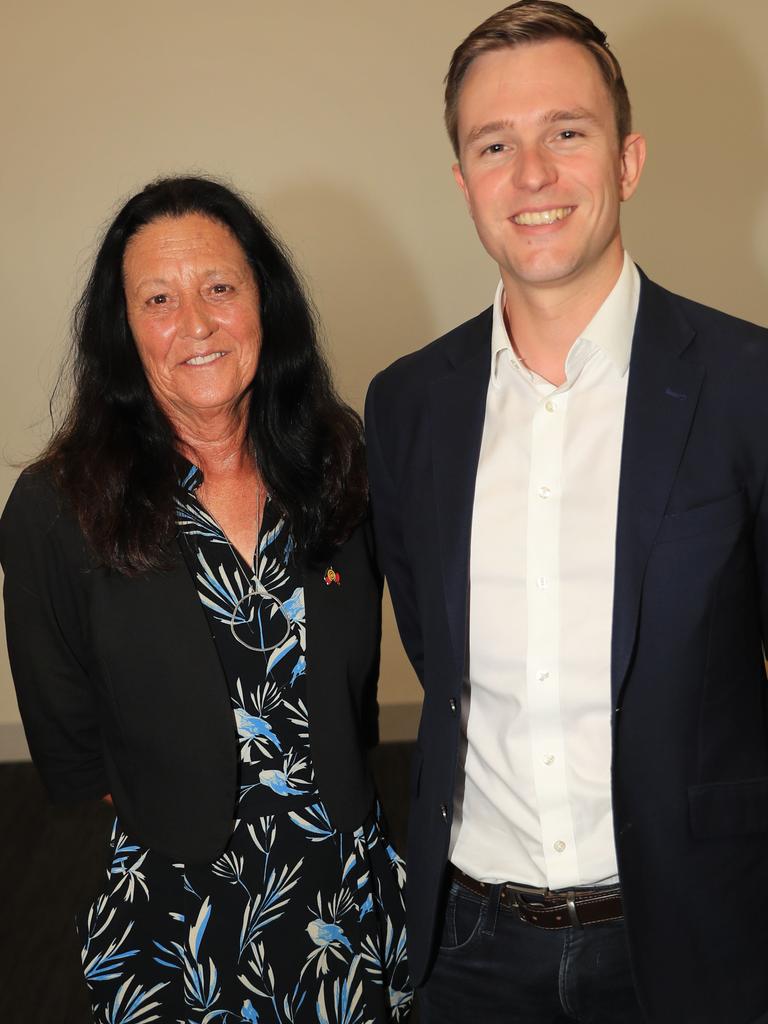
(115, 455)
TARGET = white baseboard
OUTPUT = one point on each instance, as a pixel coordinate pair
(13, 744)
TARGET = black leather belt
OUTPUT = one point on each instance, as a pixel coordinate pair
(546, 909)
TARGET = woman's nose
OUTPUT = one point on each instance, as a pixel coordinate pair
(196, 321)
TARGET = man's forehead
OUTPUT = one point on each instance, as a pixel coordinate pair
(527, 69)
(537, 79)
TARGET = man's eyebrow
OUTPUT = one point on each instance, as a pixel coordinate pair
(550, 117)
(488, 129)
(576, 114)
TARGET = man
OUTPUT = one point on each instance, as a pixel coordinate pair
(568, 495)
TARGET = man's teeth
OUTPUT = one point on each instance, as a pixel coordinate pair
(202, 360)
(534, 217)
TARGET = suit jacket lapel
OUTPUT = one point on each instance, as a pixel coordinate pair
(662, 393)
(457, 407)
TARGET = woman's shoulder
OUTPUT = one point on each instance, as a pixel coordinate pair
(35, 501)
(35, 514)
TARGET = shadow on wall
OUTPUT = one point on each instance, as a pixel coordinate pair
(699, 101)
(365, 284)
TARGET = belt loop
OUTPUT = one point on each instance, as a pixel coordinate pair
(491, 911)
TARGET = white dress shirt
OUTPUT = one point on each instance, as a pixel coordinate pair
(533, 804)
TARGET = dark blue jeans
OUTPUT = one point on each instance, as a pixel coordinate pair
(492, 968)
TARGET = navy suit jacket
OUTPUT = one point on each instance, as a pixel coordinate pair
(688, 684)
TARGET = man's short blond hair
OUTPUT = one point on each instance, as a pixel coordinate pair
(532, 21)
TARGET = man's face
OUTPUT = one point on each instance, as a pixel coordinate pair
(540, 163)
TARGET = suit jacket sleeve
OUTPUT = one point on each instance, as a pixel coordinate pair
(44, 560)
(388, 529)
(761, 554)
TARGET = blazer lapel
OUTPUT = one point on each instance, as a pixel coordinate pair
(457, 414)
(662, 393)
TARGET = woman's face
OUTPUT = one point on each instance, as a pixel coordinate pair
(193, 310)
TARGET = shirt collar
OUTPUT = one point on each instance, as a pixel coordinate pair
(190, 477)
(610, 329)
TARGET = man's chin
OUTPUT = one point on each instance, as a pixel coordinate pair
(545, 272)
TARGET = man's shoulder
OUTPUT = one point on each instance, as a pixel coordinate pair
(416, 369)
(709, 324)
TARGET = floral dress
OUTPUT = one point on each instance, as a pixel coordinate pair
(295, 922)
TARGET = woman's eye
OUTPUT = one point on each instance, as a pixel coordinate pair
(220, 289)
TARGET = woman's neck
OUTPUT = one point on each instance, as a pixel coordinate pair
(217, 445)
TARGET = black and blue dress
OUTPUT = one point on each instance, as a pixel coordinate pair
(295, 922)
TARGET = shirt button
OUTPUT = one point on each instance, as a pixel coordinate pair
(549, 759)
(452, 704)
(542, 676)
(549, 405)
(544, 491)
(542, 582)
(559, 846)
(444, 812)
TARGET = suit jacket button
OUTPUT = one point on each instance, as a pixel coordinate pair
(452, 704)
(444, 812)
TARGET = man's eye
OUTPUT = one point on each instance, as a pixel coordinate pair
(221, 289)
(158, 300)
(569, 133)
(495, 147)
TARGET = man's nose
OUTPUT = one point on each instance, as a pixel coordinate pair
(534, 168)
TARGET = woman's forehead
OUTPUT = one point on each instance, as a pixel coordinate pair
(190, 239)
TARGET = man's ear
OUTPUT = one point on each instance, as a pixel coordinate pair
(631, 167)
(459, 179)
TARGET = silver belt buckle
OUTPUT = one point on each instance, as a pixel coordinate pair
(573, 916)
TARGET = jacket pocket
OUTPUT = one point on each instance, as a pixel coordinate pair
(729, 808)
(709, 518)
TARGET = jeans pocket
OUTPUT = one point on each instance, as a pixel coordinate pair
(463, 916)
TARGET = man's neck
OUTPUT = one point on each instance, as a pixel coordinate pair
(543, 322)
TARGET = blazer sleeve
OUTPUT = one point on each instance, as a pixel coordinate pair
(388, 532)
(761, 556)
(44, 560)
(370, 707)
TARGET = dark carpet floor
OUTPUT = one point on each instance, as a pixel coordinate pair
(52, 861)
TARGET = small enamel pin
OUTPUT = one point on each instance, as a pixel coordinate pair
(331, 576)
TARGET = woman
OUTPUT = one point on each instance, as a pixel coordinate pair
(193, 619)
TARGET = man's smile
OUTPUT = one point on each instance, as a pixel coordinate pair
(534, 218)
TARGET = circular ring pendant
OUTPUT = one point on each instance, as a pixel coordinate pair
(260, 622)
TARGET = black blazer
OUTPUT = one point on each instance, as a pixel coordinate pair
(690, 724)
(121, 689)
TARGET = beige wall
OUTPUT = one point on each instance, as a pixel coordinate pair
(329, 116)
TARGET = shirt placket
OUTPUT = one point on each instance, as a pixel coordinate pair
(542, 665)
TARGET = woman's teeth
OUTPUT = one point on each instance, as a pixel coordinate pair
(202, 360)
